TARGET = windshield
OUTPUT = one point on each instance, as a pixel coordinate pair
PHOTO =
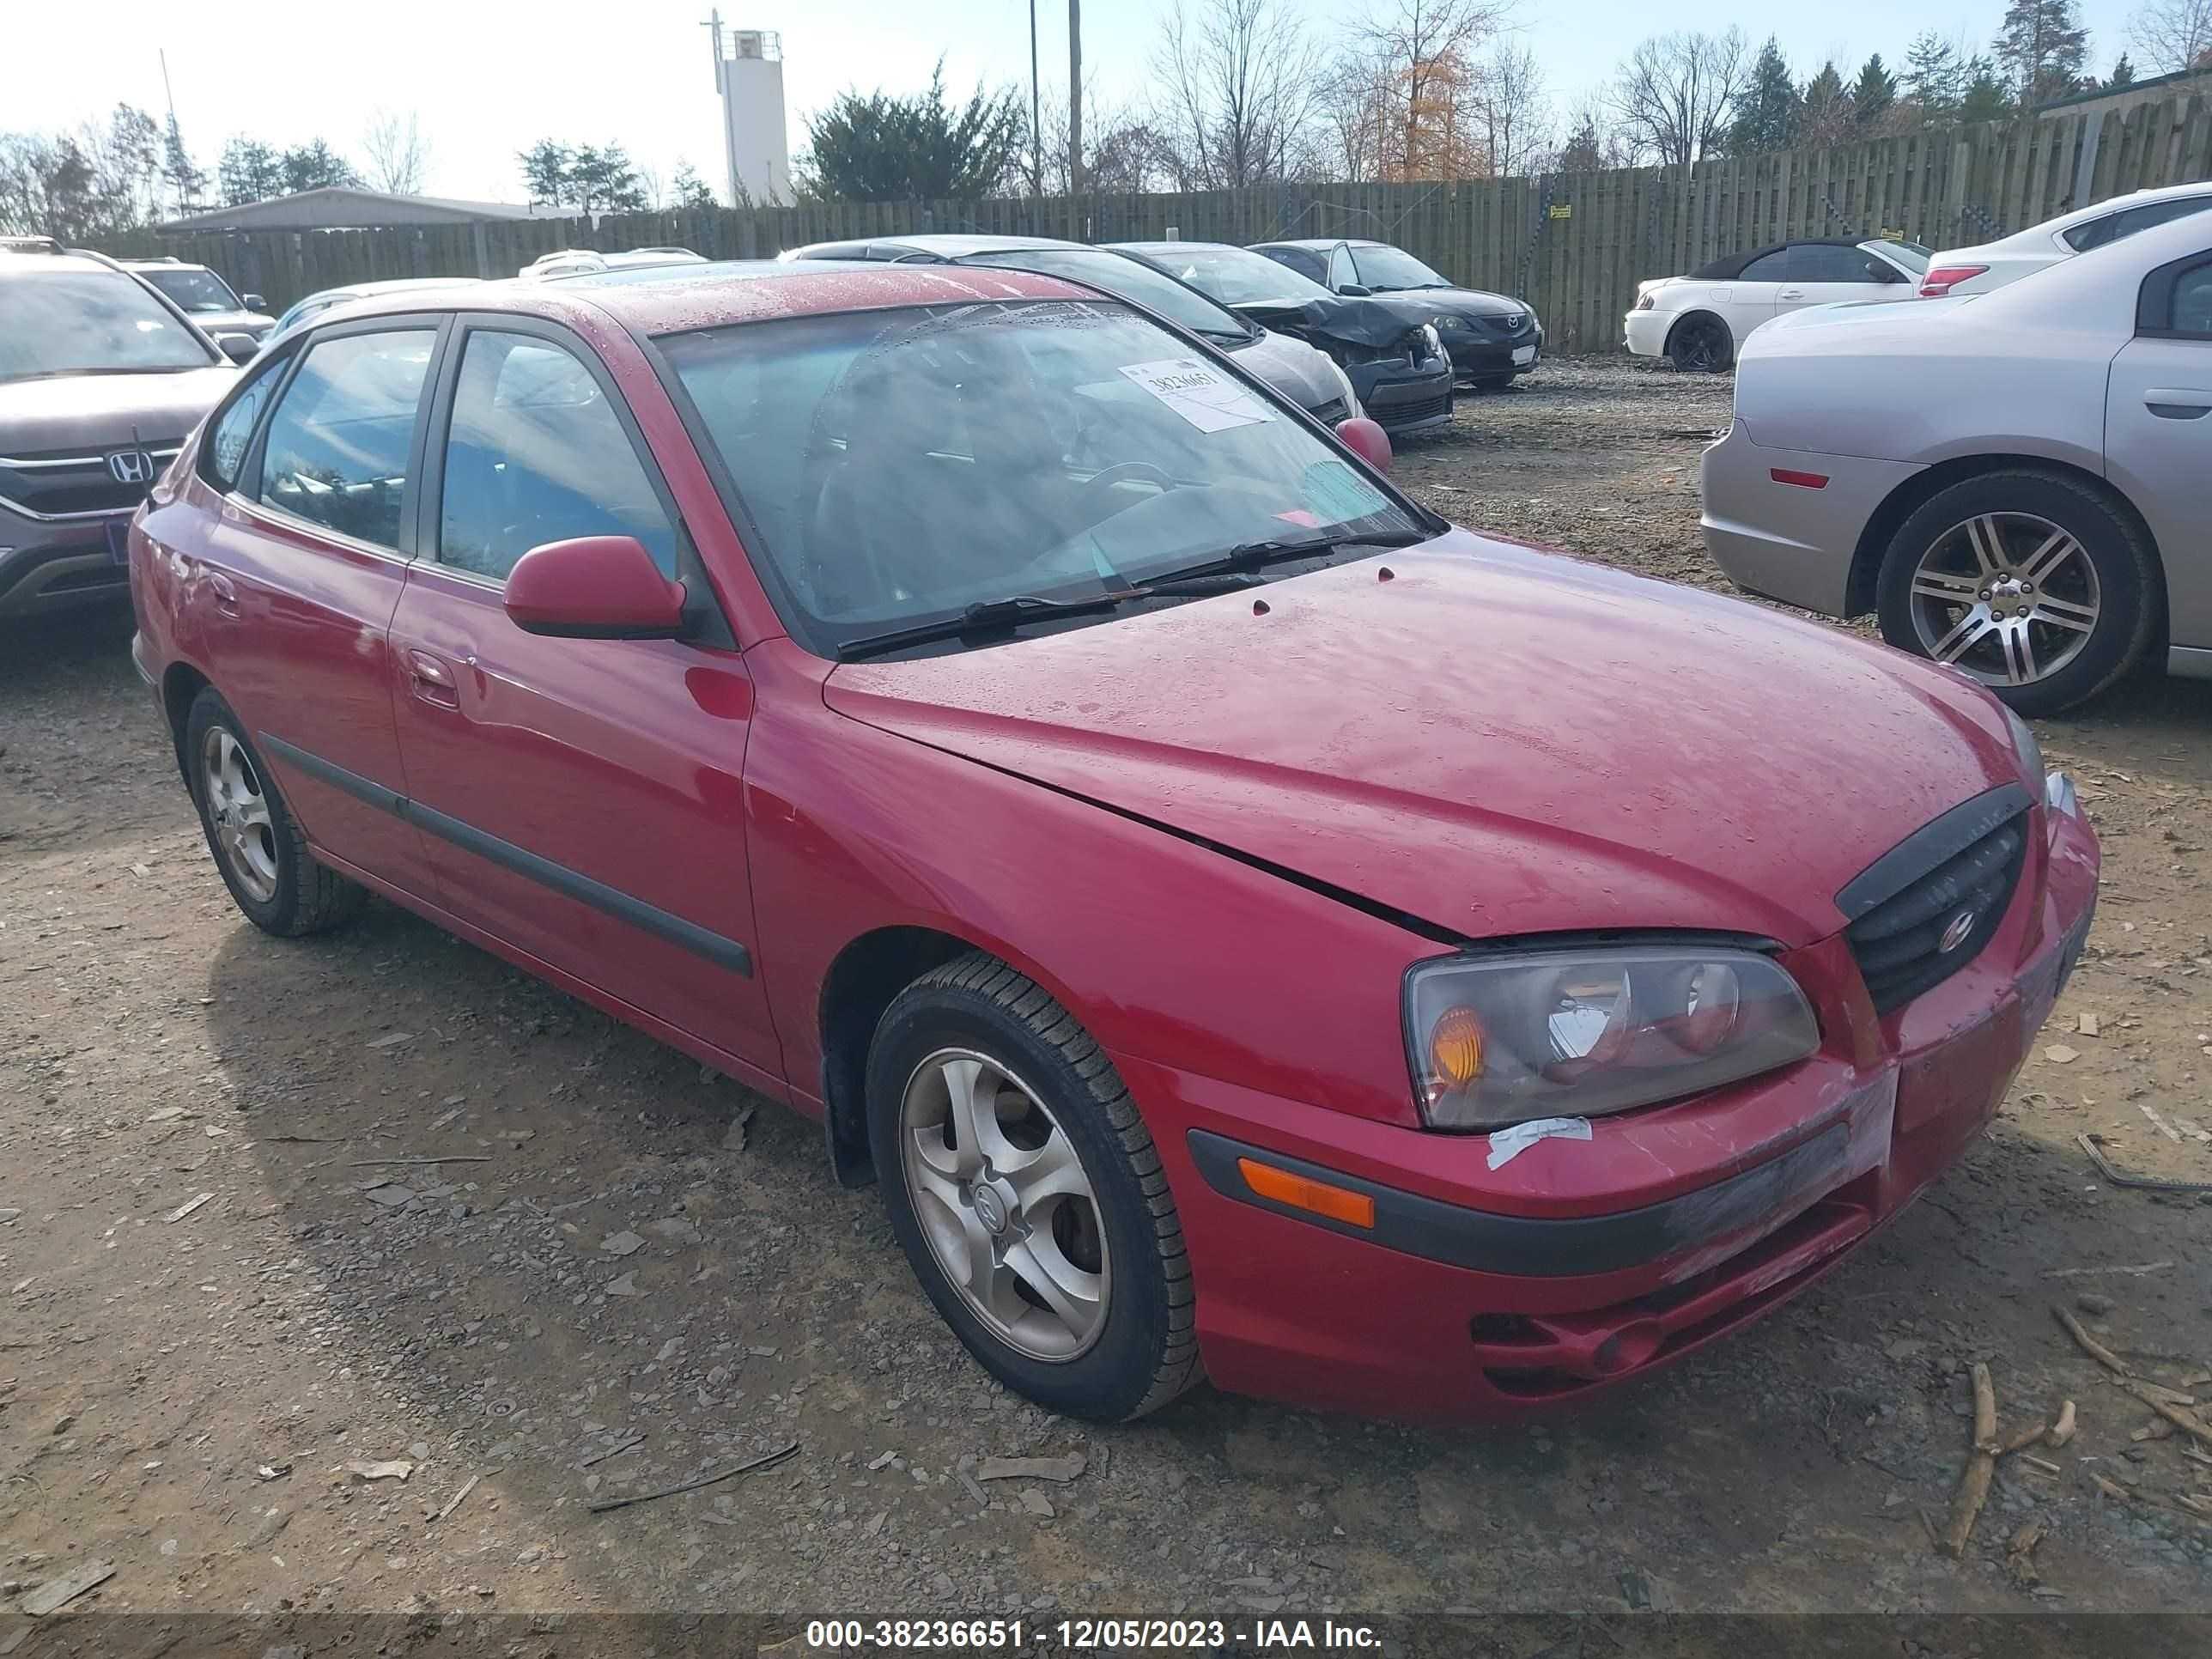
(195, 291)
(902, 465)
(1384, 269)
(90, 322)
(1235, 276)
(1913, 256)
(1121, 276)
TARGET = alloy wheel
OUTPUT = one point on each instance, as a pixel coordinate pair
(1004, 1204)
(1699, 349)
(238, 813)
(2008, 598)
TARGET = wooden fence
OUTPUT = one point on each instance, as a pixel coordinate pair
(1573, 244)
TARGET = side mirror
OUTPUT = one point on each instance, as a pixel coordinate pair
(251, 301)
(1354, 291)
(239, 348)
(595, 587)
(1367, 440)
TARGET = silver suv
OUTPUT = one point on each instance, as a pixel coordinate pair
(101, 379)
(204, 297)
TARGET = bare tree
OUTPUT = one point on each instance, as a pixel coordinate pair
(1426, 45)
(1126, 155)
(2173, 34)
(1515, 110)
(399, 155)
(1674, 92)
(1241, 84)
(1355, 117)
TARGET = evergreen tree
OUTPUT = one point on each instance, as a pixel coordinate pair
(1584, 150)
(689, 190)
(1765, 110)
(1874, 95)
(249, 172)
(1987, 96)
(1935, 79)
(316, 166)
(1826, 105)
(2123, 74)
(2042, 48)
(187, 182)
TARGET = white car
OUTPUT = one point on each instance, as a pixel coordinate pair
(583, 261)
(1700, 321)
(2014, 482)
(1958, 270)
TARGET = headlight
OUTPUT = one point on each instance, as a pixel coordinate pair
(1647, 301)
(1494, 1040)
(1352, 410)
(1445, 324)
(1429, 334)
(2031, 752)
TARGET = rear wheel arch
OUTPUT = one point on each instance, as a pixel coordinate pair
(1698, 316)
(1861, 588)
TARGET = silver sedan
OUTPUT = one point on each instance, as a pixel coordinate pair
(2016, 481)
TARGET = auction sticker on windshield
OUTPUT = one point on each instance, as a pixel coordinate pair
(1208, 399)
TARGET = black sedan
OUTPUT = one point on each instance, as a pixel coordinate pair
(1492, 336)
(1394, 356)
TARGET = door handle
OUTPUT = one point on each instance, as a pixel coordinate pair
(1791, 294)
(432, 680)
(225, 596)
(2171, 403)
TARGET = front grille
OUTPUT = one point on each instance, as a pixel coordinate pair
(1926, 908)
(1502, 328)
(1406, 414)
(74, 480)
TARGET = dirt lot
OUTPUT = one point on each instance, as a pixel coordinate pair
(179, 1386)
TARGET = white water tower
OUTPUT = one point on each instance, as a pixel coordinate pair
(748, 74)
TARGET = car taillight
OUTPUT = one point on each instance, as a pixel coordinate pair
(1942, 280)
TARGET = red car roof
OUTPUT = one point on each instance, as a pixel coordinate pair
(670, 299)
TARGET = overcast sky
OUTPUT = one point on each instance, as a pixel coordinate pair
(487, 81)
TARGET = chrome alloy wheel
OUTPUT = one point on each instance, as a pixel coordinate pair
(239, 811)
(1004, 1205)
(2009, 598)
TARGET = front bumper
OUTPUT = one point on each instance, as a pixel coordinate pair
(1794, 542)
(1404, 403)
(1474, 358)
(51, 566)
(1480, 1293)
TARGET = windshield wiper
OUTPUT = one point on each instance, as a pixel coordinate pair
(1254, 556)
(981, 618)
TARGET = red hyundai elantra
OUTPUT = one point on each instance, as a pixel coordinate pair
(1245, 925)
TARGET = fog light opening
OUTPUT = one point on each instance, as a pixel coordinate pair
(1628, 1347)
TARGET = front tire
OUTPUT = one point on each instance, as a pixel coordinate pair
(2031, 581)
(1701, 344)
(1028, 1197)
(1492, 382)
(257, 846)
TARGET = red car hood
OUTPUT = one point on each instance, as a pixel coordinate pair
(1495, 740)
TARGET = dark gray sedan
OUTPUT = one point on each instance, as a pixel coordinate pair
(1310, 379)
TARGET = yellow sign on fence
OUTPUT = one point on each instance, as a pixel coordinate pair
(1564, 211)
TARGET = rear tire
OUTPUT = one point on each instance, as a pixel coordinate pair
(258, 848)
(2031, 581)
(1701, 344)
(1113, 1335)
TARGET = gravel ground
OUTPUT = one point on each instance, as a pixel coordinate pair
(623, 1273)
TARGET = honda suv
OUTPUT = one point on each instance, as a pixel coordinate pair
(102, 379)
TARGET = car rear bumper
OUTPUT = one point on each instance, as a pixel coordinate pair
(1645, 332)
(1480, 1293)
(1777, 531)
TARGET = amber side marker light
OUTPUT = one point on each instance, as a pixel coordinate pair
(1303, 1193)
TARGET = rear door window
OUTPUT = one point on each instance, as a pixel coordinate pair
(536, 454)
(340, 436)
(1818, 262)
